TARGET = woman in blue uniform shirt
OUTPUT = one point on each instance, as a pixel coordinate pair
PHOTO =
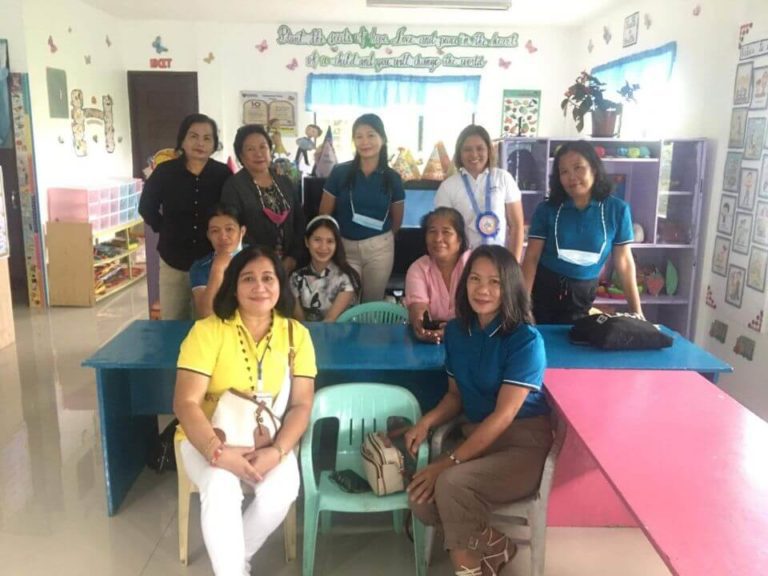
(571, 236)
(495, 360)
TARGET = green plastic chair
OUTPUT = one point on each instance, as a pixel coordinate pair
(359, 409)
(375, 313)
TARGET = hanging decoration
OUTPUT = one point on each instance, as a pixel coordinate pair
(80, 114)
(530, 47)
(263, 46)
(157, 44)
(210, 58)
(51, 45)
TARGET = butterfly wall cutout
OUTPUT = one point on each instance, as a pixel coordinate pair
(590, 46)
(210, 58)
(263, 46)
(606, 34)
(51, 46)
(157, 44)
(504, 63)
(530, 47)
(293, 64)
(87, 58)
(107, 41)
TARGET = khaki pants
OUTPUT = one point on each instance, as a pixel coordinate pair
(175, 293)
(466, 494)
(372, 258)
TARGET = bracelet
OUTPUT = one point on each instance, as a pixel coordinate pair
(279, 448)
(216, 454)
(453, 458)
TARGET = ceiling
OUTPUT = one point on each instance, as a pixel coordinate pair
(523, 12)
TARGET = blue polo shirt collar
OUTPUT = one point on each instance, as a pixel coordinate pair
(493, 327)
(570, 204)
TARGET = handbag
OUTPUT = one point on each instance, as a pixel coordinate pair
(618, 332)
(241, 420)
(383, 464)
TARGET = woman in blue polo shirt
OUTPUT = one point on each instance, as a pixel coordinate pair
(366, 197)
(495, 361)
(571, 236)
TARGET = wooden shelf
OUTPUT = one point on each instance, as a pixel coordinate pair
(106, 233)
(102, 261)
(121, 286)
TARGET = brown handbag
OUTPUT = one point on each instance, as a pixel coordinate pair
(241, 420)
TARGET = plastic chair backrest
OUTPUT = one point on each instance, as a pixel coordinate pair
(375, 313)
(360, 409)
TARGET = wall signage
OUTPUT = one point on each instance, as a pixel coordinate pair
(160, 62)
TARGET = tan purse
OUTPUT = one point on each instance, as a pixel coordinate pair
(241, 420)
(383, 464)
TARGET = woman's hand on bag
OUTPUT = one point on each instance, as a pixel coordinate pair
(414, 436)
(264, 459)
(235, 460)
(422, 487)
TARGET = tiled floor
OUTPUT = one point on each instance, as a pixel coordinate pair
(52, 505)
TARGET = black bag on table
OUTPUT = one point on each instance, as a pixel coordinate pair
(618, 332)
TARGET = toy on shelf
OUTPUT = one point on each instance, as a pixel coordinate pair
(672, 278)
(406, 166)
(306, 143)
(439, 165)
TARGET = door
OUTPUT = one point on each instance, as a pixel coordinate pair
(158, 102)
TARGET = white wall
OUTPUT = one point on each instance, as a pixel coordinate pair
(12, 29)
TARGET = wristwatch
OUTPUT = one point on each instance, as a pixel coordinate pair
(279, 448)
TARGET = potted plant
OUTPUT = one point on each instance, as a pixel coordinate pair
(587, 95)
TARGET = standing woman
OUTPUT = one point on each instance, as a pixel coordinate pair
(488, 198)
(268, 203)
(495, 360)
(571, 236)
(176, 201)
(366, 197)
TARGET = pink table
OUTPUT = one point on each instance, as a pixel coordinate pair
(688, 462)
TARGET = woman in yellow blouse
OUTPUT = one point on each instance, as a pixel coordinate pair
(244, 345)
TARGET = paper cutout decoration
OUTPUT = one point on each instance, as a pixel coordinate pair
(388, 50)
(263, 46)
(697, 10)
(743, 31)
(79, 114)
(60, 140)
(435, 169)
(756, 324)
(745, 347)
(606, 35)
(51, 46)
(710, 301)
(210, 58)
(157, 44)
(326, 159)
(647, 20)
(405, 165)
(530, 47)
(672, 278)
(719, 331)
(590, 46)
(87, 58)
(292, 65)
(504, 63)
(107, 41)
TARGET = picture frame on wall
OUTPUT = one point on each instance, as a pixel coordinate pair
(762, 188)
(742, 86)
(720, 255)
(734, 287)
(759, 88)
(758, 262)
(732, 171)
(760, 233)
(742, 232)
(748, 188)
(631, 27)
(738, 128)
(755, 135)
(725, 217)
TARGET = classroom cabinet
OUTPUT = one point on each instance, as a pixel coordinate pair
(662, 180)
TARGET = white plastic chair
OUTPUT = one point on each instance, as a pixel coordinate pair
(530, 511)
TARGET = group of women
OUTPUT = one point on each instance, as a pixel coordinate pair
(468, 291)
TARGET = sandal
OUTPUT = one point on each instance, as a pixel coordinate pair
(464, 571)
(493, 563)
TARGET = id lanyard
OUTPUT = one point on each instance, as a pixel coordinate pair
(487, 222)
(259, 361)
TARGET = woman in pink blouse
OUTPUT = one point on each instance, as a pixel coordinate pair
(430, 284)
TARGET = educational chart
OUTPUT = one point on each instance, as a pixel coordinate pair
(275, 110)
(740, 257)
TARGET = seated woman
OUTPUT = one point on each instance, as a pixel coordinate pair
(431, 281)
(328, 285)
(225, 233)
(244, 345)
(508, 434)
(572, 234)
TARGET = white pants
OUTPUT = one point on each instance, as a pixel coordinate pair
(175, 293)
(231, 536)
(372, 258)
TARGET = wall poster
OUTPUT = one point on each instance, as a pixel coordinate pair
(270, 109)
(520, 112)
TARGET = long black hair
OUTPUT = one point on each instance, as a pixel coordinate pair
(515, 302)
(377, 125)
(339, 255)
(601, 189)
(186, 124)
(225, 302)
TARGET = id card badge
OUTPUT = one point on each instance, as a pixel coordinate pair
(367, 221)
(265, 397)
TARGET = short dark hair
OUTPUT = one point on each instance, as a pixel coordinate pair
(456, 220)
(473, 130)
(601, 189)
(186, 124)
(243, 132)
(224, 209)
(515, 302)
(225, 302)
(339, 256)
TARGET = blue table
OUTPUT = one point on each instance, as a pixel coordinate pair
(135, 374)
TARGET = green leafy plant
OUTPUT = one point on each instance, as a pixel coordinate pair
(587, 94)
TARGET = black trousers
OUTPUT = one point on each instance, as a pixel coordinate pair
(561, 300)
